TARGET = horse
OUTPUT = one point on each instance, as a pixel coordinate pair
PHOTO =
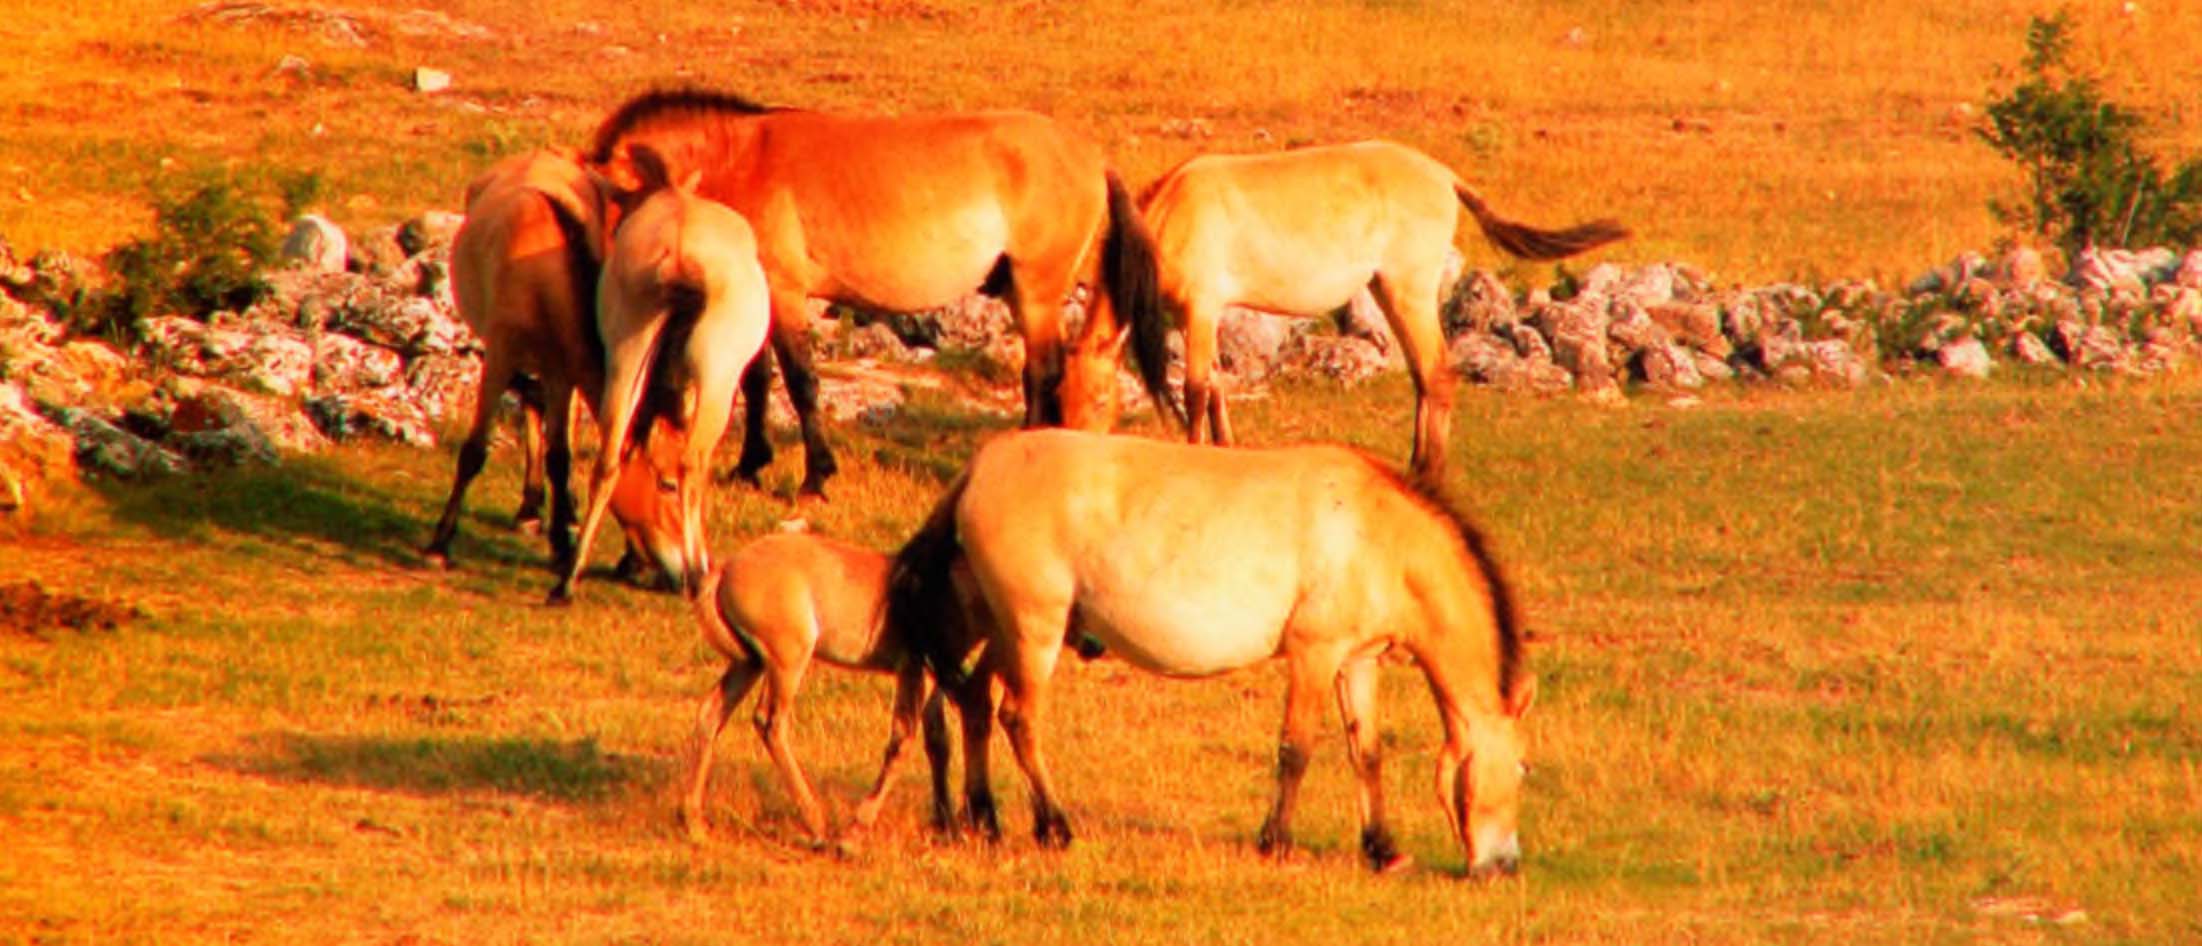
(779, 604)
(682, 309)
(1193, 561)
(524, 267)
(1299, 232)
(906, 213)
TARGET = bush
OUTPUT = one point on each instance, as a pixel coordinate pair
(207, 254)
(2089, 182)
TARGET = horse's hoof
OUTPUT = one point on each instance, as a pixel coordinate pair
(559, 597)
(1398, 864)
(438, 558)
(530, 527)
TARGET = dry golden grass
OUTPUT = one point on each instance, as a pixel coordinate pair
(1903, 666)
(1761, 140)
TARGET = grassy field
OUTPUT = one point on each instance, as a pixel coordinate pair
(1760, 140)
(1918, 664)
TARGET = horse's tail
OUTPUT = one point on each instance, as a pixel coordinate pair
(1527, 242)
(921, 591)
(583, 266)
(716, 631)
(1132, 278)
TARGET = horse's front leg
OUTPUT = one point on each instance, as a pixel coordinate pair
(1364, 748)
(1296, 747)
(528, 519)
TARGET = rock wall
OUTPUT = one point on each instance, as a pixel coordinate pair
(360, 339)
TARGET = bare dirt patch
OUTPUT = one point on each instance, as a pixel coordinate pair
(28, 609)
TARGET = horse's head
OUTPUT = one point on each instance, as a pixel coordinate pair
(1088, 391)
(646, 498)
(1492, 805)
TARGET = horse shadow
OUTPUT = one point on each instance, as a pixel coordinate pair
(314, 506)
(573, 772)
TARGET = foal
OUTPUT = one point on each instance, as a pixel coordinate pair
(773, 607)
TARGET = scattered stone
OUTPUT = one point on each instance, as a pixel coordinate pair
(431, 232)
(1346, 360)
(2021, 269)
(875, 341)
(386, 415)
(1250, 344)
(344, 363)
(317, 245)
(1669, 367)
(1964, 358)
(429, 81)
(445, 385)
(1362, 318)
(202, 407)
(105, 448)
(2029, 349)
(1835, 362)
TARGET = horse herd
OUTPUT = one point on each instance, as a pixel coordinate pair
(647, 273)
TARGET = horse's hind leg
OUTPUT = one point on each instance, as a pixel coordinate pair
(1409, 300)
(1310, 674)
(791, 344)
(1364, 748)
(1024, 706)
(497, 373)
(975, 710)
(558, 398)
(909, 702)
(937, 754)
(718, 706)
(773, 715)
(528, 519)
(756, 445)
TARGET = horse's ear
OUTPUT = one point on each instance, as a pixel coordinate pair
(689, 180)
(650, 167)
(1525, 693)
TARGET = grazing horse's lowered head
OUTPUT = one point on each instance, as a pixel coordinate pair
(682, 307)
(524, 269)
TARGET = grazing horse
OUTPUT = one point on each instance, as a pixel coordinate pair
(1190, 561)
(1299, 232)
(682, 309)
(782, 602)
(523, 272)
(907, 213)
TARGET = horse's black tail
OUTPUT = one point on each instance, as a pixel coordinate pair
(921, 591)
(1133, 281)
(1527, 242)
(582, 269)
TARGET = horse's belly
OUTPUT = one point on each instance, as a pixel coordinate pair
(918, 266)
(1183, 635)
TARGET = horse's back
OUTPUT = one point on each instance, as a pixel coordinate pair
(822, 594)
(513, 257)
(1301, 230)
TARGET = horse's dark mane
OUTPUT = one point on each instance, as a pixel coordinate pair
(658, 103)
(1431, 495)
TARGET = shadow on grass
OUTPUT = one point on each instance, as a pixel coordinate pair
(312, 505)
(572, 772)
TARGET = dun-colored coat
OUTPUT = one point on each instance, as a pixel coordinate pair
(1299, 233)
(1191, 561)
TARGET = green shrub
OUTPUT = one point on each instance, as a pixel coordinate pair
(208, 252)
(2088, 181)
